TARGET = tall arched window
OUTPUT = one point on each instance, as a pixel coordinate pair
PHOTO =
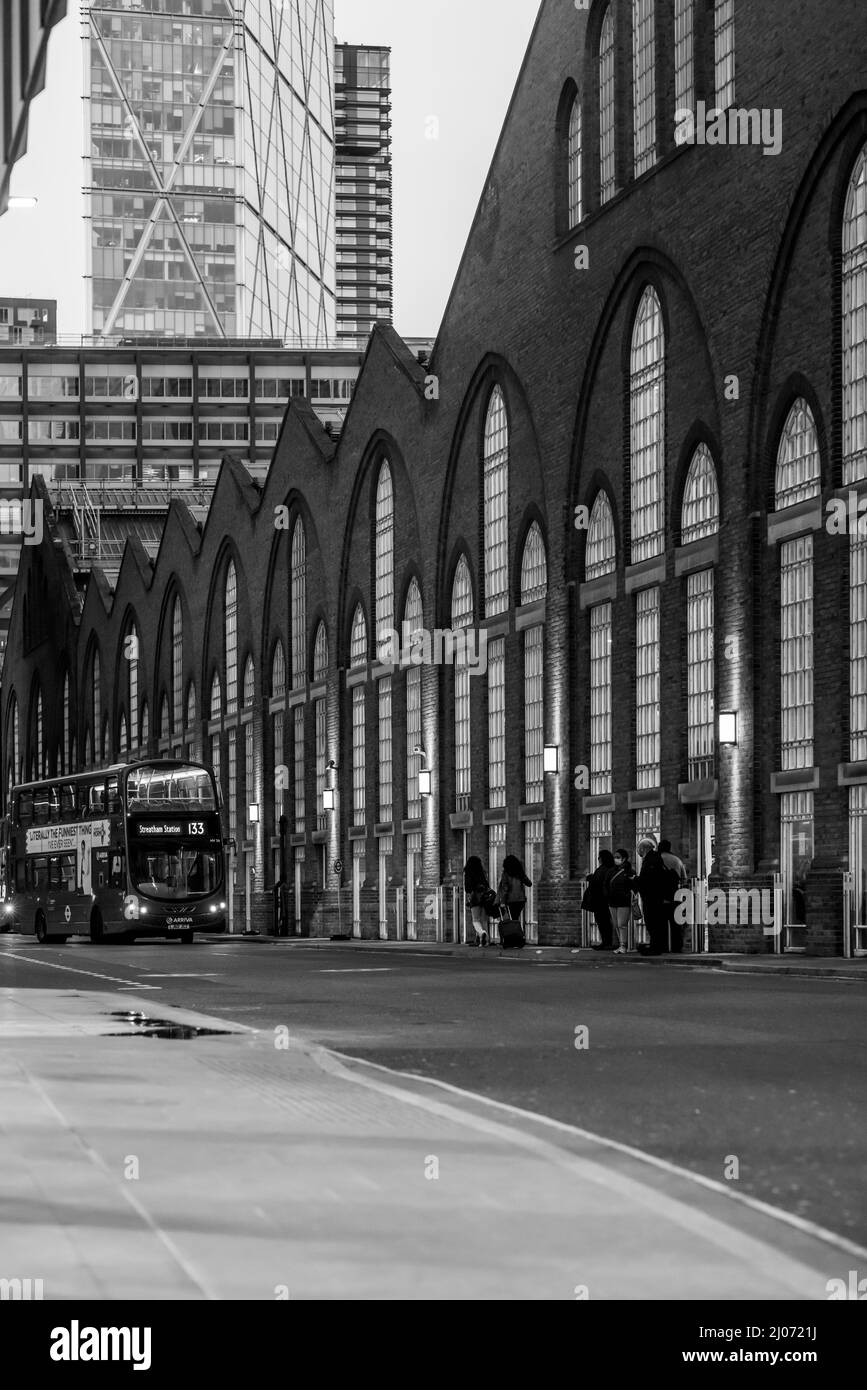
(855, 325)
(647, 429)
(88, 749)
(413, 621)
(131, 653)
(496, 480)
(798, 477)
(231, 637)
(607, 129)
(534, 587)
(96, 703)
(320, 721)
(177, 670)
(165, 730)
(600, 560)
(299, 605)
(145, 729)
(573, 164)
(699, 520)
(105, 742)
(384, 550)
(65, 749)
(123, 742)
(358, 657)
(463, 616)
(278, 712)
(216, 715)
(249, 763)
(194, 747)
(724, 52)
(644, 83)
(684, 55)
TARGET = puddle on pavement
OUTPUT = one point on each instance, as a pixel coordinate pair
(145, 1027)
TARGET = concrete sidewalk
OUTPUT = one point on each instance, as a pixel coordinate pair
(252, 1166)
(808, 967)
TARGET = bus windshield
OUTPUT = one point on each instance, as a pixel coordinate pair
(160, 788)
(175, 872)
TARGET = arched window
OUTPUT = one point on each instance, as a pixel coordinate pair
(644, 84)
(145, 729)
(601, 555)
(249, 684)
(194, 749)
(278, 672)
(463, 615)
(496, 478)
(724, 52)
(123, 744)
(684, 55)
(647, 429)
(105, 742)
(177, 669)
(164, 721)
(534, 567)
(384, 548)
(278, 692)
(320, 654)
(534, 586)
(249, 763)
(798, 475)
(231, 636)
(358, 642)
(607, 173)
(700, 519)
(65, 748)
(855, 325)
(88, 749)
(97, 702)
(40, 751)
(413, 621)
(700, 515)
(299, 605)
(216, 714)
(573, 164)
(131, 653)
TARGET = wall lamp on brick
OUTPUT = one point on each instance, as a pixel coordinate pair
(329, 795)
(728, 728)
(551, 758)
(425, 777)
(253, 813)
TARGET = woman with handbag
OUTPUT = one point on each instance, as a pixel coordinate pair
(619, 891)
(512, 895)
(595, 900)
(479, 896)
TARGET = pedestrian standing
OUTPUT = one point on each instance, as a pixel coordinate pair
(512, 894)
(677, 866)
(476, 886)
(596, 900)
(655, 888)
(619, 889)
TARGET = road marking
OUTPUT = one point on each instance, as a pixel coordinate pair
(371, 970)
(351, 1068)
(202, 975)
(75, 970)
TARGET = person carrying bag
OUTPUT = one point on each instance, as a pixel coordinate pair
(512, 896)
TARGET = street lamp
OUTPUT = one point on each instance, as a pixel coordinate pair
(425, 777)
(329, 794)
(253, 813)
(551, 758)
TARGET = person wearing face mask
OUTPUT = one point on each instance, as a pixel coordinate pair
(619, 888)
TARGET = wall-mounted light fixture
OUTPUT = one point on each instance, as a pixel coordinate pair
(728, 728)
(328, 799)
(425, 777)
(253, 813)
(551, 758)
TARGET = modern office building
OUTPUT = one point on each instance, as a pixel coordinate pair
(635, 499)
(365, 279)
(25, 26)
(210, 169)
(27, 322)
(118, 432)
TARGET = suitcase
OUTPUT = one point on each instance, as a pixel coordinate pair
(511, 933)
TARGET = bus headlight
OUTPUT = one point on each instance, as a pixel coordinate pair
(131, 907)
(223, 906)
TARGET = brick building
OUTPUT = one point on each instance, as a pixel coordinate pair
(618, 470)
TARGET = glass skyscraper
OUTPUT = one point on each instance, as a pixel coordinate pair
(362, 100)
(211, 168)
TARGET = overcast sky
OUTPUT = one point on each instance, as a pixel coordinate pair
(456, 60)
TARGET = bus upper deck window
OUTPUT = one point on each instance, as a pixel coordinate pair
(67, 801)
(25, 807)
(114, 802)
(97, 799)
(54, 805)
(41, 805)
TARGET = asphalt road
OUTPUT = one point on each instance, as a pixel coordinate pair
(698, 1068)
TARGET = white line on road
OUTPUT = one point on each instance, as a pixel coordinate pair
(74, 970)
(201, 975)
(371, 970)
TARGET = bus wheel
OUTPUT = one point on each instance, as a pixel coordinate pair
(186, 938)
(97, 932)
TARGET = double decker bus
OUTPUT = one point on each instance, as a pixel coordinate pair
(133, 850)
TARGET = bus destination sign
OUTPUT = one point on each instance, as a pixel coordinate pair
(169, 829)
